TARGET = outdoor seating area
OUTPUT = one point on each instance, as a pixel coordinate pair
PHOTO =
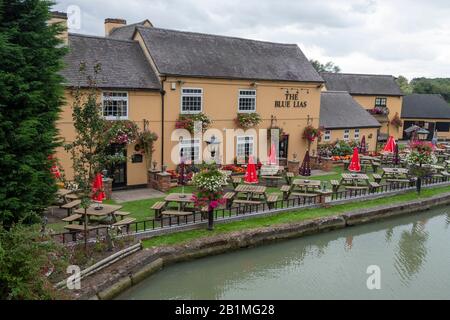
(265, 187)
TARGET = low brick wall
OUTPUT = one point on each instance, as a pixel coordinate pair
(121, 276)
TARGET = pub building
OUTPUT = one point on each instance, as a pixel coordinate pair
(154, 76)
(378, 94)
(342, 118)
(428, 111)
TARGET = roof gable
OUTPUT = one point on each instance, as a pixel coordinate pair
(201, 55)
(123, 64)
(425, 106)
(363, 84)
(338, 110)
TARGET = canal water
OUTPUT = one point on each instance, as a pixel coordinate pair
(412, 253)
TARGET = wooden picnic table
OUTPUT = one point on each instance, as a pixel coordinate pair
(181, 199)
(61, 194)
(304, 188)
(395, 173)
(105, 211)
(253, 195)
(355, 181)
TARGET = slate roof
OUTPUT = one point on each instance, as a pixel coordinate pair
(363, 84)
(338, 110)
(180, 53)
(425, 106)
(126, 32)
(123, 64)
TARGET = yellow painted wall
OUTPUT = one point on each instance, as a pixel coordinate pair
(395, 106)
(220, 103)
(370, 133)
(142, 105)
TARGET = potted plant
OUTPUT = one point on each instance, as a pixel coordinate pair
(209, 195)
(248, 120)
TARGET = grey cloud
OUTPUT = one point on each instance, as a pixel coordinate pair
(402, 33)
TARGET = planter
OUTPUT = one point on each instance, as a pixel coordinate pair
(293, 166)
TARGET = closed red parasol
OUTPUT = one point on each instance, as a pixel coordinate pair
(390, 145)
(272, 156)
(250, 175)
(98, 194)
(355, 165)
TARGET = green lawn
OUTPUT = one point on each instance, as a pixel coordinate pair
(291, 216)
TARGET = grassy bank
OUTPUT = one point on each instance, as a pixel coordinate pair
(287, 217)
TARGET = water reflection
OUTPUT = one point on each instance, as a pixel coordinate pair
(411, 251)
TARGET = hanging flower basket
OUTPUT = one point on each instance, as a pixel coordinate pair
(121, 132)
(209, 183)
(311, 134)
(248, 120)
(187, 121)
(396, 121)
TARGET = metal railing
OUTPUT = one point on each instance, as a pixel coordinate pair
(243, 210)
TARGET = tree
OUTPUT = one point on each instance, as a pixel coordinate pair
(31, 96)
(404, 85)
(89, 148)
(433, 86)
(327, 67)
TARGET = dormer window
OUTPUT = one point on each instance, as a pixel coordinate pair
(380, 103)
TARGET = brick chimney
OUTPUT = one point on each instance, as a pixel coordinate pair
(111, 24)
(60, 17)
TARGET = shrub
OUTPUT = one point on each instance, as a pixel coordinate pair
(24, 262)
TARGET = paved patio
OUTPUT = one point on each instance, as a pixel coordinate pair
(136, 194)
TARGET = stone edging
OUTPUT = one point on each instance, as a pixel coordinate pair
(149, 261)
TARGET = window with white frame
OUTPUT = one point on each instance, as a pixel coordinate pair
(191, 100)
(115, 105)
(356, 134)
(380, 102)
(247, 101)
(327, 135)
(244, 147)
(346, 135)
(190, 150)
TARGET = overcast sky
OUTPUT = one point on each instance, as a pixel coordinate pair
(407, 37)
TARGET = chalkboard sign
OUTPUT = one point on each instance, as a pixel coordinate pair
(137, 158)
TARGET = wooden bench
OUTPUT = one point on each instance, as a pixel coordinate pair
(176, 213)
(374, 186)
(246, 203)
(228, 197)
(121, 214)
(377, 178)
(271, 181)
(398, 181)
(72, 197)
(124, 223)
(70, 206)
(271, 200)
(304, 195)
(286, 192)
(78, 227)
(159, 207)
(289, 176)
(235, 181)
(335, 185)
(72, 218)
